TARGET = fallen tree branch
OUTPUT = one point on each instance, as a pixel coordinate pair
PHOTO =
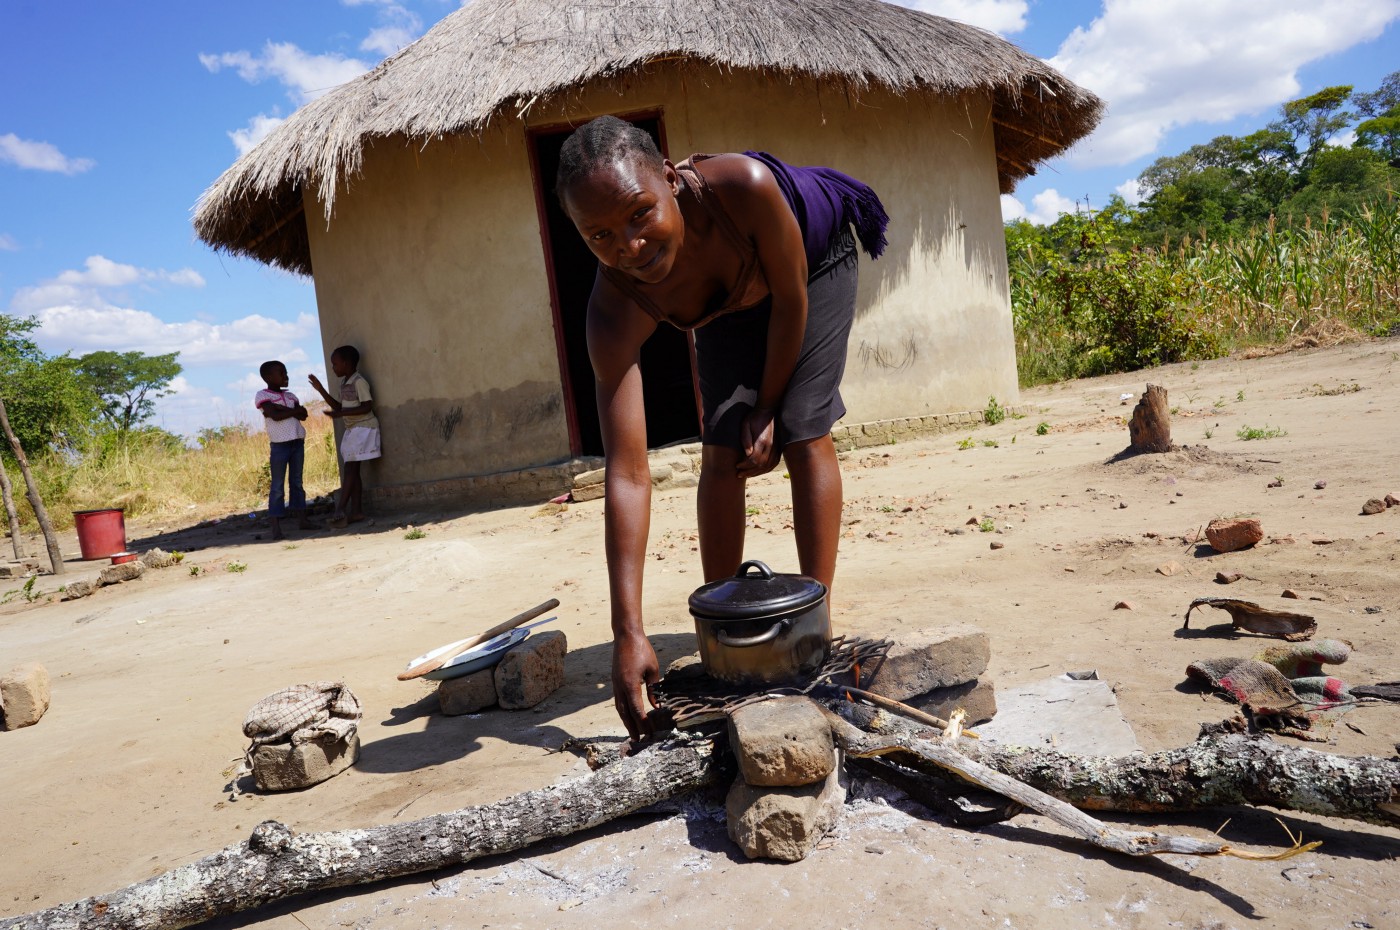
(275, 863)
(858, 743)
(1212, 772)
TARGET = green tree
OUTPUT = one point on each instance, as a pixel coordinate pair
(49, 404)
(129, 383)
(1315, 119)
(1381, 100)
(1381, 134)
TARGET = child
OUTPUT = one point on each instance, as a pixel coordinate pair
(282, 415)
(360, 441)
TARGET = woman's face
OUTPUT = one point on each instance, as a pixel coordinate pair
(628, 215)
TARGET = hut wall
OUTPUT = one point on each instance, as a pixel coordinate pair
(432, 267)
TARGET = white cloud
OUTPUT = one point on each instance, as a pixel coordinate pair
(8, 243)
(1000, 16)
(39, 156)
(1046, 207)
(100, 272)
(250, 340)
(306, 76)
(1128, 190)
(257, 130)
(188, 408)
(386, 40)
(1171, 63)
(83, 310)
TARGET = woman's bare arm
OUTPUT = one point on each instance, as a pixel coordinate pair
(616, 331)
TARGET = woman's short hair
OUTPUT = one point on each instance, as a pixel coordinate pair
(606, 140)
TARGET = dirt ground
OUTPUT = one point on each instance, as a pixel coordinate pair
(126, 776)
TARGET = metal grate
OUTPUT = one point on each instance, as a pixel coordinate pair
(692, 697)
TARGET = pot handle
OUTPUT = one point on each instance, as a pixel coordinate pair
(759, 639)
(764, 571)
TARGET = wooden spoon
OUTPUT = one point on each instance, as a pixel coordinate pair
(452, 650)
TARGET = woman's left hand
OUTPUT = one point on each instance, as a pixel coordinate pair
(761, 453)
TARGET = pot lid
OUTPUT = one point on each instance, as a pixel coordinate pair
(756, 591)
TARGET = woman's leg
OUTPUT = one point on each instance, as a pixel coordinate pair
(816, 505)
(721, 517)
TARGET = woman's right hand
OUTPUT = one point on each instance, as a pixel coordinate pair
(635, 673)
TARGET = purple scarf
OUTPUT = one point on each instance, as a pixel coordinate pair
(824, 200)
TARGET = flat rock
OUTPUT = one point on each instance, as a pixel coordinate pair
(467, 694)
(978, 698)
(1227, 577)
(1170, 568)
(1073, 716)
(284, 767)
(784, 742)
(784, 823)
(932, 658)
(24, 695)
(590, 492)
(532, 671)
(126, 571)
(1230, 535)
(76, 589)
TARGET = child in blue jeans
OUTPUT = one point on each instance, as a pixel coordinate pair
(282, 414)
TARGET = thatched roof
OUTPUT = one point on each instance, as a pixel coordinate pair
(494, 59)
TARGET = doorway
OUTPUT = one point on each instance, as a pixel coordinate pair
(668, 379)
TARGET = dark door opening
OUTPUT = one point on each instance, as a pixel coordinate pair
(667, 378)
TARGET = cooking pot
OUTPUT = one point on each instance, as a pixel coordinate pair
(761, 627)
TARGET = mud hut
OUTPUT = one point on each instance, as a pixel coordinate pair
(419, 198)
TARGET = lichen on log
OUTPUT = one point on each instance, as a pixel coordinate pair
(1215, 771)
(275, 864)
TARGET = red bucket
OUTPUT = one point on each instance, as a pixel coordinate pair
(101, 533)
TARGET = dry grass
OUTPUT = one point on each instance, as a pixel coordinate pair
(153, 479)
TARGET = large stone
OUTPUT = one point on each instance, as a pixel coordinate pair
(782, 742)
(978, 698)
(24, 695)
(284, 767)
(157, 558)
(532, 671)
(1229, 535)
(1374, 506)
(76, 589)
(126, 571)
(784, 823)
(587, 478)
(591, 492)
(935, 658)
(468, 693)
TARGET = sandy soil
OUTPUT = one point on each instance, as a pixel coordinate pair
(126, 775)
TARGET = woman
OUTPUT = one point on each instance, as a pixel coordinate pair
(758, 258)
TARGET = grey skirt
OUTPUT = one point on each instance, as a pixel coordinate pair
(732, 349)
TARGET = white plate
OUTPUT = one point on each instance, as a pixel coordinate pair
(478, 657)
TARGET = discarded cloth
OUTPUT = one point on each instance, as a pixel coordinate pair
(1283, 684)
(312, 711)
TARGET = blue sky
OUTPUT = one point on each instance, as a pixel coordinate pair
(116, 117)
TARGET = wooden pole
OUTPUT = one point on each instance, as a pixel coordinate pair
(7, 491)
(35, 501)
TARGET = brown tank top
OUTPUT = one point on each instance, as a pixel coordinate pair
(749, 288)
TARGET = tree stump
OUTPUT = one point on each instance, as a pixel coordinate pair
(1150, 429)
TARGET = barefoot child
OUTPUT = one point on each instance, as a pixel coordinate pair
(282, 415)
(360, 441)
